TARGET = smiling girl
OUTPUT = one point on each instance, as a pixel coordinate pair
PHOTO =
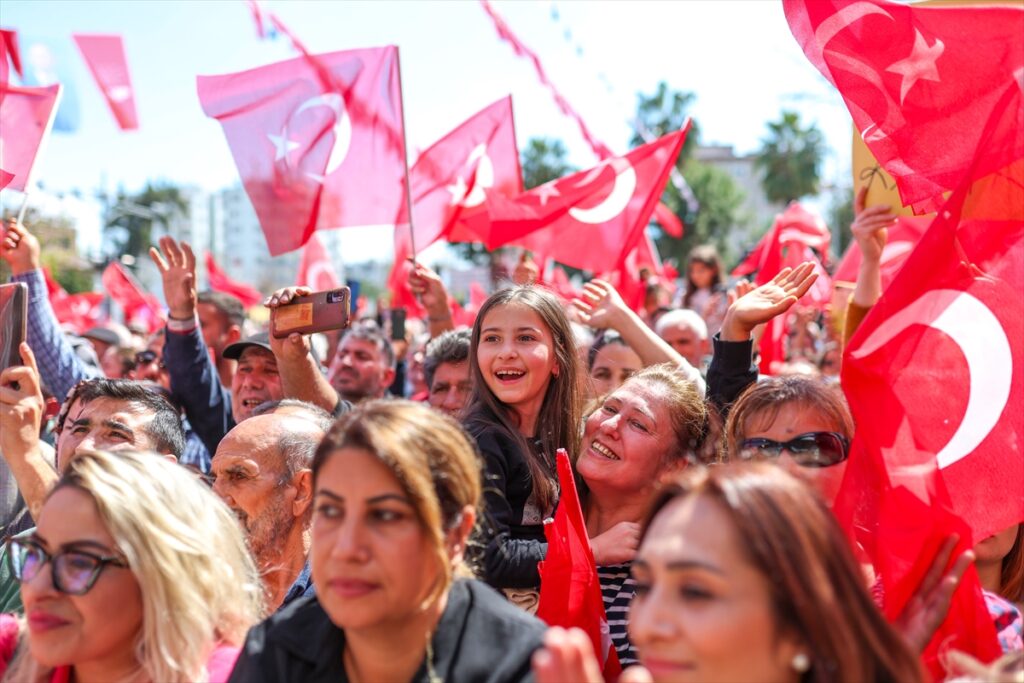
(525, 406)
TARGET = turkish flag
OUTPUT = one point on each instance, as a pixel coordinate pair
(798, 225)
(318, 141)
(592, 219)
(903, 236)
(138, 304)
(626, 279)
(9, 47)
(570, 589)
(220, 282)
(315, 269)
(935, 378)
(920, 84)
(104, 54)
(78, 311)
(668, 221)
(26, 116)
(451, 179)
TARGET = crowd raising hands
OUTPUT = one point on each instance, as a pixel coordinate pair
(373, 505)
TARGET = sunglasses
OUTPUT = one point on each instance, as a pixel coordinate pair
(143, 357)
(814, 449)
(73, 571)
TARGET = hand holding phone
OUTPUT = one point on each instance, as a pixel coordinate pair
(314, 312)
(13, 311)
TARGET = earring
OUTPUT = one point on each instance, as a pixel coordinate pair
(801, 662)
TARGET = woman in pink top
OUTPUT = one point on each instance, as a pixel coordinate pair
(137, 572)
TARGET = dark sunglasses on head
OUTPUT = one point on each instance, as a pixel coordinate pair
(72, 571)
(813, 449)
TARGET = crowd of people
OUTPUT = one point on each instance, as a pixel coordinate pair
(211, 502)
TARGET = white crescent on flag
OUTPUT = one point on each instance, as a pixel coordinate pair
(616, 201)
(981, 338)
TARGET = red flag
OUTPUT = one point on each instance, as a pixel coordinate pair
(935, 379)
(5, 178)
(220, 282)
(903, 236)
(104, 54)
(26, 116)
(9, 47)
(318, 141)
(315, 269)
(78, 311)
(668, 221)
(920, 83)
(591, 219)
(798, 225)
(452, 178)
(570, 589)
(138, 305)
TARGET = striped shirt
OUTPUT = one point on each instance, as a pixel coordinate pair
(617, 589)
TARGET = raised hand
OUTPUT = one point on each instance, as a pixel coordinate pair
(177, 266)
(427, 285)
(601, 306)
(19, 248)
(870, 227)
(767, 301)
(295, 346)
(21, 406)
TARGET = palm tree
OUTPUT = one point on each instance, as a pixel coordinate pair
(790, 159)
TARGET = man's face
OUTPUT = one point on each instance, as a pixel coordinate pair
(685, 341)
(105, 424)
(255, 381)
(451, 387)
(215, 328)
(360, 370)
(249, 471)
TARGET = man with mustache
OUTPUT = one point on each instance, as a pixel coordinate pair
(364, 365)
(262, 471)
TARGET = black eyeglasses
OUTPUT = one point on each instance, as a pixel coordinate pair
(73, 571)
(813, 449)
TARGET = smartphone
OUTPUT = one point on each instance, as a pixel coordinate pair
(397, 324)
(13, 310)
(315, 312)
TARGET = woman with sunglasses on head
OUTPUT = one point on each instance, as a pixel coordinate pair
(397, 488)
(743, 574)
(136, 572)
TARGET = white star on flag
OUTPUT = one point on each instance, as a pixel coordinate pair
(546, 192)
(919, 65)
(458, 189)
(282, 146)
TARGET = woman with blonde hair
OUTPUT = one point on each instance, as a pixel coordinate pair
(136, 572)
(396, 489)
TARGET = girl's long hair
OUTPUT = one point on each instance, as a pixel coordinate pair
(559, 421)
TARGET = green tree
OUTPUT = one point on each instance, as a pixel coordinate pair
(790, 159)
(712, 210)
(841, 218)
(56, 235)
(136, 215)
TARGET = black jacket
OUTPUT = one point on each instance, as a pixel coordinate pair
(732, 370)
(480, 638)
(512, 529)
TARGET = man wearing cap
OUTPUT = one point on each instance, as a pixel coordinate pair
(211, 409)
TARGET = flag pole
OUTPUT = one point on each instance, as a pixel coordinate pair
(405, 156)
(39, 152)
(21, 211)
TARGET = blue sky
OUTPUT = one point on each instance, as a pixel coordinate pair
(737, 56)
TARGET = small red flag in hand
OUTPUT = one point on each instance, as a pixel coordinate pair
(315, 269)
(920, 83)
(106, 59)
(220, 282)
(26, 116)
(570, 589)
(318, 141)
(591, 219)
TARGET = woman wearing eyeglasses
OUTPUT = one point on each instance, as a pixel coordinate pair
(396, 489)
(136, 572)
(800, 422)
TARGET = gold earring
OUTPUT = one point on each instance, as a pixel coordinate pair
(801, 662)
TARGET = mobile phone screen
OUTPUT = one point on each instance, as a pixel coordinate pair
(397, 324)
(13, 309)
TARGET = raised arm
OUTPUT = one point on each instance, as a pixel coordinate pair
(602, 307)
(60, 368)
(300, 376)
(870, 229)
(427, 285)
